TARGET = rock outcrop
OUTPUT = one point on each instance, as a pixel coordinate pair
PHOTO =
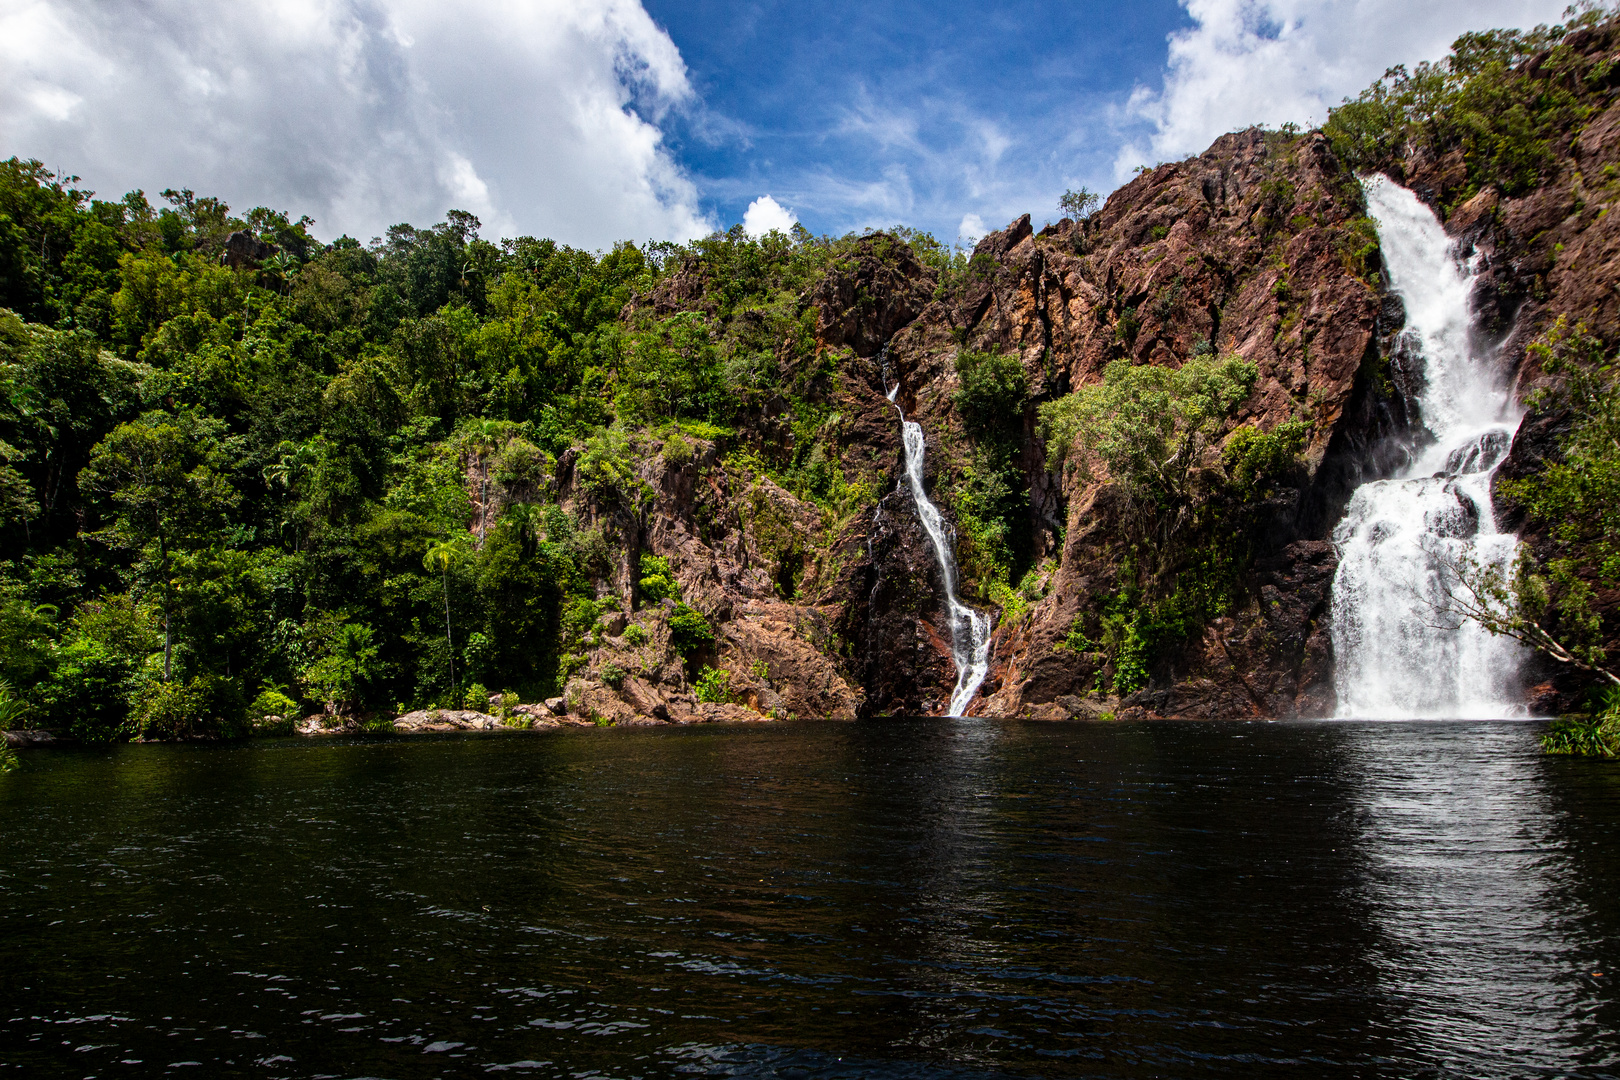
(244, 251)
(1257, 248)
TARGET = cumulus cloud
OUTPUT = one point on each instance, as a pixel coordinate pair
(540, 116)
(1274, 61)
(972, 229)
(765, 214)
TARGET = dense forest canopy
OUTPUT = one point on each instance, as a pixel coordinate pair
(239, 463)
(245, 472)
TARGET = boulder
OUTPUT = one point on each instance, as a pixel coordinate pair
(244, 251)
(17, 739)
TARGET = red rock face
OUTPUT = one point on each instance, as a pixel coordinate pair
(1257, 248)
(1249, 250)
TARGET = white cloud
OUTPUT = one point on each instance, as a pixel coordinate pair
(765, 214)
(972, 229)
(1272, 61)
(540, 116)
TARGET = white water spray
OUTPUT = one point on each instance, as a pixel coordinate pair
(970, 629)
(1396, 657)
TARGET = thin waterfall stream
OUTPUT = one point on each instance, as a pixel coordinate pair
(1396, 655)
(970, 629)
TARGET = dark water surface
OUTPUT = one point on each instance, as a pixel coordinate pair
(939, 898)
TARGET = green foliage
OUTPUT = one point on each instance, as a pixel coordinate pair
(1011, 602)
(104, 658)
(1150, 431)
(1136, 624)
(1592, 735)
(990, 506)
(1130, 657)
(346, 664)
(1127, 326)
(674, 369)
(1579, 494)
(1252, 457)
(203, 707)
(635, 635)
(1507, 115)
(476, 698)
(479, 654)
(272, 701)
(657, 580)
(26, 631)
(13, 709)
(507, 709)
(713, 685)
(991, 396)
(611, 674)
(207, 473)
(606, 467)
(1079, 204)
(990, 500)
(1014, 601)
(677, 450)
(1075, 639)
(1552, 605)
(689, 632)
(1356, 242)
(1148, 427)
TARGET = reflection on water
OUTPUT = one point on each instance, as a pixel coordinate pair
(1487, 945)
(941, 898)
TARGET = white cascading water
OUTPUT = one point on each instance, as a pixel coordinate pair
(970, 630)
(1398, 654)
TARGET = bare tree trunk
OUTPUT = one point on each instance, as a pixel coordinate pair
(447, 640)
(168, 638)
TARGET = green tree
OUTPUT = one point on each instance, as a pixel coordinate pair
(1506, 117)
(164, 477)
(347, 665)
(1253, 457)
(657, 581)
(1079, 204)
(689, 632)
(442, 555)
(1148, 427)
(1551, 604)
(991, 394)
(26, 635)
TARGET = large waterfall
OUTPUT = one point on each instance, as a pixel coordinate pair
(970, 629)
(1398, 653)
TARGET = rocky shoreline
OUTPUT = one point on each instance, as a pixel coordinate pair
(552, 714)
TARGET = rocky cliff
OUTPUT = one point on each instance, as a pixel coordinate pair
(1257, 248)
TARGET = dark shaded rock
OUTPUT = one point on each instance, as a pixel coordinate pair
(863, 307)
(907, 654)
(244, 251)
(17, 739)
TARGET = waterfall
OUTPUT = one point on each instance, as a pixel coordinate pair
(1397, 655)
(970, 630)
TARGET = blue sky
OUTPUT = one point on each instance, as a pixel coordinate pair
(593, 121)
(863, 113)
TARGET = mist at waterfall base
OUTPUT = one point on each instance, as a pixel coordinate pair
(1400, 652)
(970, 629)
